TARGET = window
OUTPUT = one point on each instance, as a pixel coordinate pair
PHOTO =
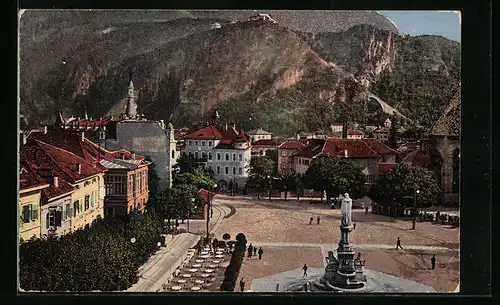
(306, 162)
(234, 170)
(240, 157)
(34, 211)
(195, 143)
(27, 213)
(87, 202)
(203, 155)
(227, 157)
(218, 169)
(130, 183)
(209, 155)
(240, 171)
(92, 199)
(234, 157)
(173, 153)
(209, 143)
(190, 143)
(196, 155)
(76, 207)
(202, 143)
(68, 211)
(227, 170)
(218, 156)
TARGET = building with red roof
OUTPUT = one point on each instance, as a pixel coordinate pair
(224, 151)
(260, 147)
(381, 134)
(355, 134)
(372, 156)
(286, 151)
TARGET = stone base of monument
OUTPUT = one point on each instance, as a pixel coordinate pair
(376, 282)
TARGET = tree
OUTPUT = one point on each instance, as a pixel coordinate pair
(273, 156)
(286, 181)
(401, 183)
(335, 176)
(185, 164)
(299, 186)
(198, 178)
(153, 179)
(260, 168)
(392, 142)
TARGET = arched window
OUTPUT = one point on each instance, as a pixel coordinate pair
(218, 169)
(203, 155)
(209, 156)
(218, 156)
(456, 171)
(227, 157)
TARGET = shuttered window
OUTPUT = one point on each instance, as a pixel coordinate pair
(87, 202)
(34, 211)
(26, 213)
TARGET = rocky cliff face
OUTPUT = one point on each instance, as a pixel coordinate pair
(256, 73)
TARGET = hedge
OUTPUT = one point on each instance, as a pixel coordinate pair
(233, 269)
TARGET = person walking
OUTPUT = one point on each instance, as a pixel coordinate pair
(354, 226)
(255, 251)
(398, 244)
(260, 253)
(242, 284)
(305, 270)
(250, 250)
(433, 261)
(366, 210)
(310, 221)
(317, 220)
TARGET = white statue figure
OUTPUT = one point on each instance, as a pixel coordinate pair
(345, 210)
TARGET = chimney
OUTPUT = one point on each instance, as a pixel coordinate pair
(79, 168)
(83, 136)
(133, 156)
(345, 154)
(45, 130)
(56, 181)
(226, 126)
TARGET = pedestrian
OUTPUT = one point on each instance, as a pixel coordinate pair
(255, 251)
(354, 225)
(317, 220)
(305, 270)
(366, 210)
(260, 253)
(250, 250)
(310, 221)
(242, 284)
(398, 244)
(433, 261)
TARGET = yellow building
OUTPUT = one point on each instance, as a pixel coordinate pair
(30, 188)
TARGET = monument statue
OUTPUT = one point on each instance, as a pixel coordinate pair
(346, 210)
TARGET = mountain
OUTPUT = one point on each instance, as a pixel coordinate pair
(256, 73)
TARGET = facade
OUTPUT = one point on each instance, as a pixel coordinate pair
(371, 156)
(286, 151)
(259, 134)
(260, 147)
(381, 134)
(225, 152)
(355, 134)
(30, 190)
(73, 174)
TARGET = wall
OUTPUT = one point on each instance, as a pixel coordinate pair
(446, 146)
(32, 228)
(285, 159)
(86, 187)
(141, 194)
(261, 137)
(300, 167)
(244, 164)
(60, 205)
(261, 151)
(147, 138)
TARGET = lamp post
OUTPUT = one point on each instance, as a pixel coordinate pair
(269, 179)
(189, 211)
(415, 209)
(209, 207)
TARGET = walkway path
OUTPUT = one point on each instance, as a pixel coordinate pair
(159, 268)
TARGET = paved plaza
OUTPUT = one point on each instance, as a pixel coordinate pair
(289, 241)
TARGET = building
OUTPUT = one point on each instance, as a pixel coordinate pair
(371, 156)
(30, 191)
(381, 134)
(441, 152)
(355, 134)
(260, 147)
(148, 138)
(72, 174)
(259, 134)
(225, 152)
(286, 151)
(126, 180)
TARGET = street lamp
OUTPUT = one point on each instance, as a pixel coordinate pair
(415, 209)
(189, 211)
(209, 208)
(132, 240)
(269, 179)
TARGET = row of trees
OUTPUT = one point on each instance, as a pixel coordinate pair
(335, 176)
(104, 257)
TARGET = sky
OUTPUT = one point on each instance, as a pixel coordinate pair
(414, 23)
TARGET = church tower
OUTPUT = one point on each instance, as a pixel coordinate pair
(172, 147)
(131, 107)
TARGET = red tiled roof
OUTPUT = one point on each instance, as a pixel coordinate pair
(354, 132)
(380, 147)
(265, 143)
(89, 123)
(62, 162)
(292, 144)
(384, 168)
(209, 132)
(310, 151)
(28, 179)
(356, 148)
(68, 140)
(93, 149)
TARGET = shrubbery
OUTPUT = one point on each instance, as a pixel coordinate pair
(101, 257)
(232, 271)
